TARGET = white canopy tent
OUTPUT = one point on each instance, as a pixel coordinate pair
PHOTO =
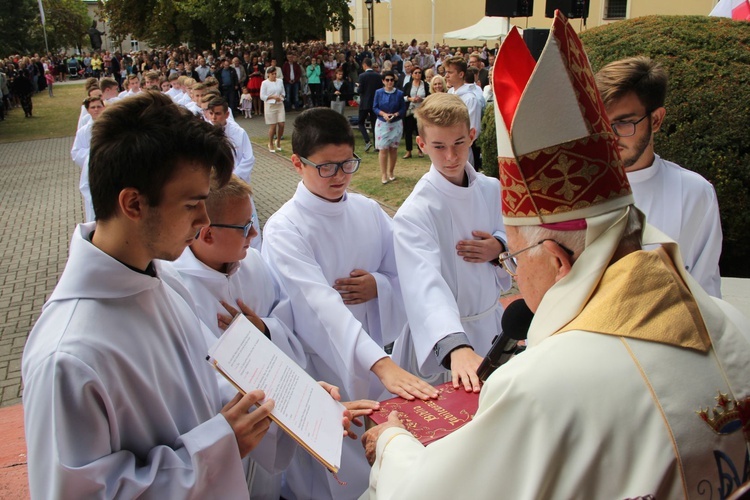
(488, 28)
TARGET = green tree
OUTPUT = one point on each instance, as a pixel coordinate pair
(18, 20)
(202, 22)
(67, 23)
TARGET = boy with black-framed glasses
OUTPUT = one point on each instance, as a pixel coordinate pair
(333, 253)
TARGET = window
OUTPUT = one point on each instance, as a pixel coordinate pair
(615, 9)
(134, 45)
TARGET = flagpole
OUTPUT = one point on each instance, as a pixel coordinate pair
(44, 25)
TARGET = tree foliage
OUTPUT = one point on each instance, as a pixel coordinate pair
(21, 25)
(707, 126)
(205, 22)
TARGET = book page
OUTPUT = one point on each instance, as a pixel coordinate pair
(303, 408)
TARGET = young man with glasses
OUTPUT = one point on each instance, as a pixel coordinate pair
(333, 253)
(677, 201)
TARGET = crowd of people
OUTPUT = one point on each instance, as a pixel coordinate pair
(120, 401)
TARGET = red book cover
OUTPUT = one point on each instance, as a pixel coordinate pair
(431, 420)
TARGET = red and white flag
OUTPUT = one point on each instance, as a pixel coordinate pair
(738, 10)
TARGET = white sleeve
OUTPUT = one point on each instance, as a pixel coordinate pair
(705, 248)
(91, 462)
(430, 304)
(245, 158)
(264, 93)
(322, 320)
(81, 147)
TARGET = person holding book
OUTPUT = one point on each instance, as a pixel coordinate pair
(333, 253)
(447, 236)
(225, 275)
(635, 381)
(118, 397)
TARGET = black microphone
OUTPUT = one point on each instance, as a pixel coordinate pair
(515, 323)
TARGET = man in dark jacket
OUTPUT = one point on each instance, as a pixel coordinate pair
(369, 82)
(229, 84)
(291, 71)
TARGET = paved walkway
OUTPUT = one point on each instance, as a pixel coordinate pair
(39, 207)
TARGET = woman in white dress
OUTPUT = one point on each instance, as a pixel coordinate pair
(272, 94)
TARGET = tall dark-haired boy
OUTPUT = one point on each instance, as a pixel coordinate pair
(119, 400)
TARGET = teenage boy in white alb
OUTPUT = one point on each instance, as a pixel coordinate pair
(81, 150)
(447, 236)
(333, 252)
(118, 399)
(679, 202)
(244, 159)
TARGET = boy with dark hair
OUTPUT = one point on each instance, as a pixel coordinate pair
(81, 149)
(333, 253)
(447, 236)
(118, 399)
(679, 202)
(244, 159)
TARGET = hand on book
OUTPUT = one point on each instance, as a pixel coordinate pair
(249, 426)
(483, 248)
(464, 365)
(402, 383)
(225, 319)
(354, 409)
(370, 438)
(358, 288)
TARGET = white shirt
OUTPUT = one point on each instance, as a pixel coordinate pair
(473, 102)
(309, 243)
(683, 205)
(443, 293)
(244, 159)
(118, 396)
(80, 155)
(268, 88)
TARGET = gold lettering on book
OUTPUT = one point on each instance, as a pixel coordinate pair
(448, 416)
(426, 415)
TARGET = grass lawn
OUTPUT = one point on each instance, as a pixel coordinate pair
(367, 179)
(53, 116)
(58, 116)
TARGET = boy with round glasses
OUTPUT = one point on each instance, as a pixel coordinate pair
(677, 201)
(222, 272)
(333, 253)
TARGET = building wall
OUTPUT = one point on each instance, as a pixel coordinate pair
(407, 19)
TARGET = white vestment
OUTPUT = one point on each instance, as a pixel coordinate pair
(80, 154)
(683, 205)
(310, 243)
(244, 160)
(585, 415)
(250, 281)
(443, 293)
(474, 103)
(83, 117)
(119, 400)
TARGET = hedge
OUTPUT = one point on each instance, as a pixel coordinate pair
(707, 126)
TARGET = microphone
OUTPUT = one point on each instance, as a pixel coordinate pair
(515, 325)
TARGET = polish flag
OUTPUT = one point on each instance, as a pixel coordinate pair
(738, 10)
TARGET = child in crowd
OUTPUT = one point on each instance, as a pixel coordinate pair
(246, 103)
(447, 237)
(333, 253)
(50, 79)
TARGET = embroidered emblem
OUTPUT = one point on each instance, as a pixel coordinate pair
(728, 416)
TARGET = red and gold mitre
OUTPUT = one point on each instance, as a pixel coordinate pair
(557, 153)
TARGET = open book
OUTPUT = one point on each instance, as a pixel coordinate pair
(249, 360)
